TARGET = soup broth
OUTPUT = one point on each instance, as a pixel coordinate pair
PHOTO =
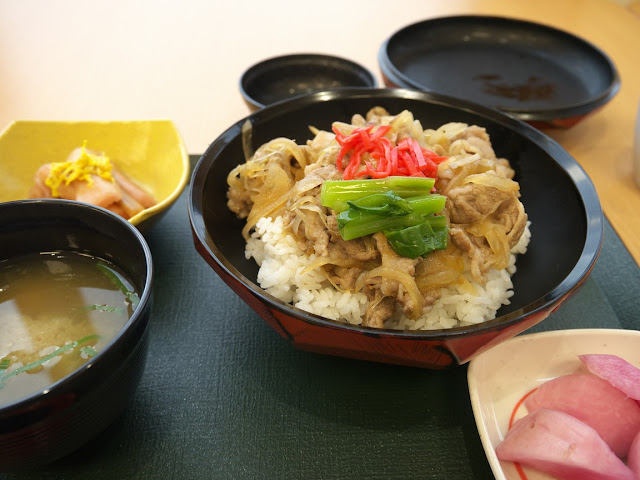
(57, 311)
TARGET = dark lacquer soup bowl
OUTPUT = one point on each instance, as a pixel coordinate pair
(43, 425)
(560, 199)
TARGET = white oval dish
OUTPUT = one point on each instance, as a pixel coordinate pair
(499, 378)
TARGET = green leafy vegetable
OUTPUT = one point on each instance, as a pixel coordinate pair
(402, 207)
(387, 203)
(4, 364)
(357, 221)
(6, 375)
(427, 204)
(421, 239)
(336, 193)
(104, 308)
(117, 281)
(354, 224)
(89, 351)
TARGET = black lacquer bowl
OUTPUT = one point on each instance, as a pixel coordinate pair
(547, 77)
(560, 199)
(51, 423)
(279, 78)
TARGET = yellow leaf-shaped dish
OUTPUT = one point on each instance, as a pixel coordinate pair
(150, 152)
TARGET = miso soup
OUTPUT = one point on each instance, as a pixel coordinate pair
(57, 311)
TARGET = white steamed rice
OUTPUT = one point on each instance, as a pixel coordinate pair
(282, 274)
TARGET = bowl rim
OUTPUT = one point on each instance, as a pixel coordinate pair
(127, 328)
(577, 109)
(271, 63)
(585, 188)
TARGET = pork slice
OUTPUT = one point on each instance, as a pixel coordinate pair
(379, 309)
(470, 202)
(345, 277)
(503, 168)
(560, 445)
(615, 370)
(478, 251)
(360, 249)
(393, 288)
(595, 402)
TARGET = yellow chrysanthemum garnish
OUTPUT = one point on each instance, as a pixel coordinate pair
(82, 168)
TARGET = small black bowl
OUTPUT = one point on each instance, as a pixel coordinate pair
(539, 74)
(53, 422)
(279, 78)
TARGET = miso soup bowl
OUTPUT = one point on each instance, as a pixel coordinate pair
(53, 422)
(560, 199)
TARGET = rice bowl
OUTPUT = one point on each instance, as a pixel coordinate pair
(566, 220)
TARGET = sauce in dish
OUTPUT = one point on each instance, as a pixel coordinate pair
(57, 311)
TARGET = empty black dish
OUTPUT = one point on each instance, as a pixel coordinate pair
(537, 73)
(279, 78)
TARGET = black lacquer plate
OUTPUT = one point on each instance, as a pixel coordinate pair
(534, 72)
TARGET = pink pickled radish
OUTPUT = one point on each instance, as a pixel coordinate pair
(615, 370)
(594, 401)
(633, 457)
(560, 445)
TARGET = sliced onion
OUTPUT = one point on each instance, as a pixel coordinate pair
(272, 197)
(288, 146)
(247, 131)
(339, 262)
(496, 236)
(406, 280)
(439, 269)
(493, 180)
(451, 129)
(466, 286)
